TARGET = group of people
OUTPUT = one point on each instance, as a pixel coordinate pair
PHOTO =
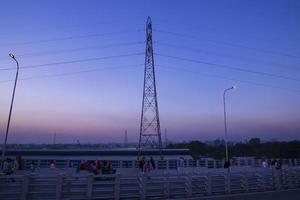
(143, 166)
(95, 167)
(274, 164)
(10, 165)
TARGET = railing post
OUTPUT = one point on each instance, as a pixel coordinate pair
(227, 182)
(59, 186)
(89, 186)
(262, 181)
(188, 184)
(209, 192)
(117, 187)
(142, 186)
(284, 178)
(25, 187)
(276, 179)
(245, 180)
(291, 179)
(166, 186)
(297, 182)
(167, 165)
(280, 175)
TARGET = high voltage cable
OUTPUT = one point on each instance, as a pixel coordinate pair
(172, 68)
(214, 28)
(227, 78)
(227, 43)
(74, 72)
(77, 49)
(70, 38)
(64, 27)
(60, 27)
(73, 61)
(230, 67)
(223, 55)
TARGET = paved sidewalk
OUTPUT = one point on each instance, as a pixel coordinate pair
(272, 195)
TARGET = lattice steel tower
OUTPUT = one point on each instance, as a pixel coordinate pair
(150, 133)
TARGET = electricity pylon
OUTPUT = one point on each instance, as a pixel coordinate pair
(150, 133)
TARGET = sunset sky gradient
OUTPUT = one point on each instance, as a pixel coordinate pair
(98, 106)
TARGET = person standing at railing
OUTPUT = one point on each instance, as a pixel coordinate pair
(180, 164)
(92, 167)
(152, 163)
(70, 164)
(81, 165)
(52, 165)
(278, 164)
(19, 163)
(273, 164)
(264, 164)
(31, 166)
(8, 166)
(143, 165)
(98, 166)
(227, 164)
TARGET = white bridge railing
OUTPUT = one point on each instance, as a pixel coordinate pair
(87, 186)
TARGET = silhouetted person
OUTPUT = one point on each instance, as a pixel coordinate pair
(52, 165)
(98, 166)
(110, 167)
(8, 167)
(19, 163)
(227, 164)
(31, 166)
(143, 165)
(81, 165)
(152, 163)
(273, 163)
(92, 167)
(278, 164)
(264, 164)
(70, 164)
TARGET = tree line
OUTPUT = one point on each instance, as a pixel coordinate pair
(253, 147)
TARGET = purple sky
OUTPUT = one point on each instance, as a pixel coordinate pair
(97, 106)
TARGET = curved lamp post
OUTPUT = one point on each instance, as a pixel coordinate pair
(11, 106)
(225, 122)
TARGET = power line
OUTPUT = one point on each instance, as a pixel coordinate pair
(231, 67)
(163, 66)
(73, 73)
(70, 38)
(68, 26)
(215, 29)
(228, 43)
(57, 27)
(77, 49)
(222, 55)
(227, 78)
(73, 61)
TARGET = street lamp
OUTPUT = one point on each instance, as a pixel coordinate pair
(225, 123)
(11, 106)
